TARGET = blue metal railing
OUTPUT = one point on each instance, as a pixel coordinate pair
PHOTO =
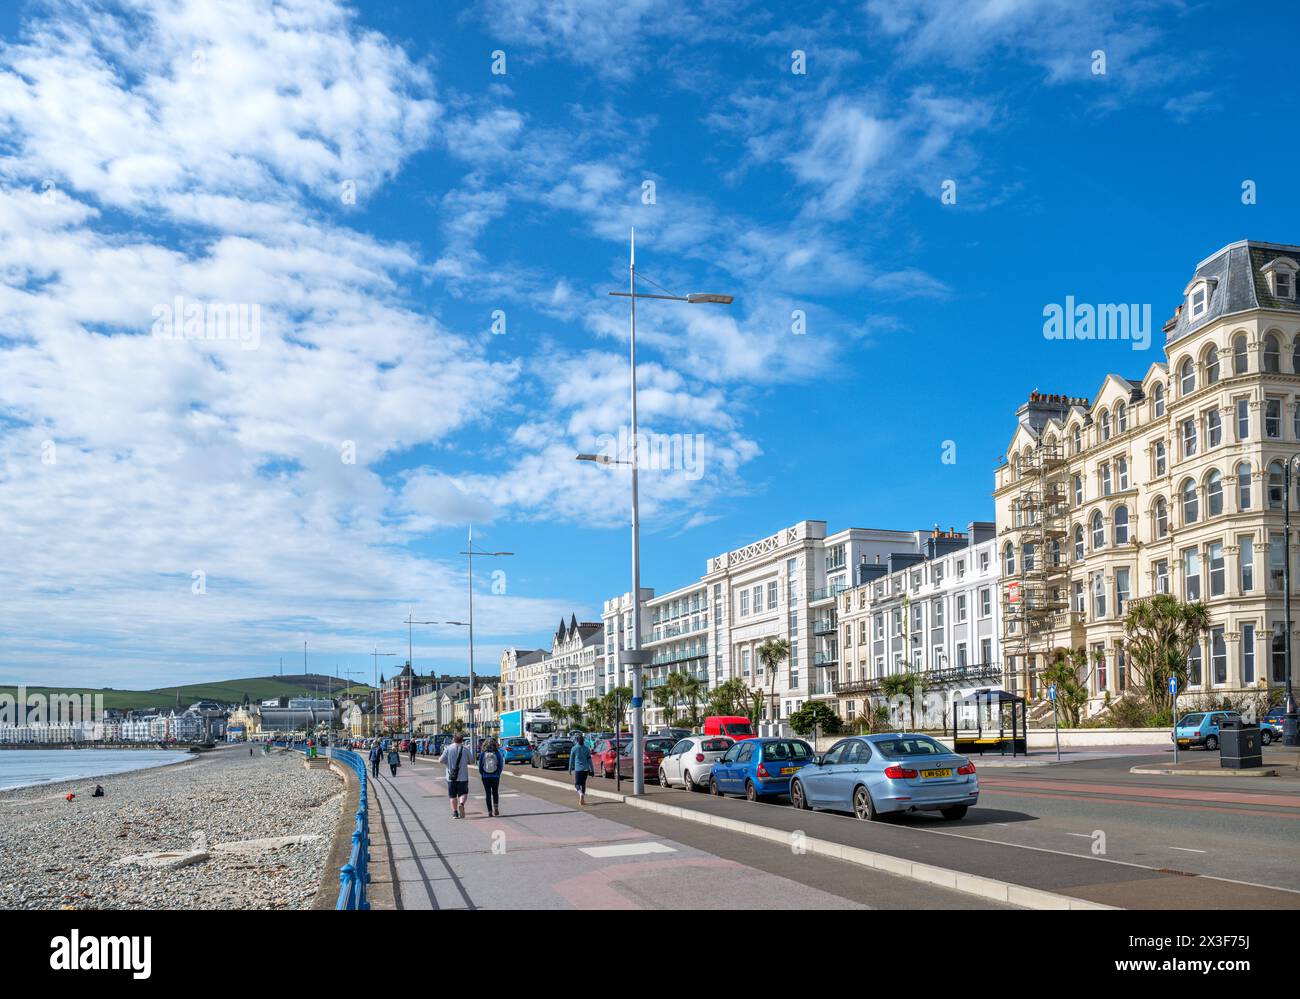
(355, 874)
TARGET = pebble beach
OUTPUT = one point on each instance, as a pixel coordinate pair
(253, 832)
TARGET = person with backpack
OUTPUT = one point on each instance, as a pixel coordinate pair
(490, 765)
(456, 759)
(394, 759)
(581, 767)
(375, 757)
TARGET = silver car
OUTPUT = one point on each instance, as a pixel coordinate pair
(874, 775)
(688, 763)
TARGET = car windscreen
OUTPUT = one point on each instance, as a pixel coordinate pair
(739, 728)
(558, 745)
(786, 749)
(659, 745)
(1190, 720)
(517, 743)
(715, 745)
(914, 745)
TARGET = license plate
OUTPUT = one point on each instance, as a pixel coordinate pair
(788, 770)
(928, 774)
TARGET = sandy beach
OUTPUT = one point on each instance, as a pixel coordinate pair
(253, 832)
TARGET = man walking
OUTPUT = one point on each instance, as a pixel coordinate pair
(412, 750)
(456, 759)
(375, 757)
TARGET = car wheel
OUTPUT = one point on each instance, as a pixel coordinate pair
(713, 787)
(797, 799)
(751, 792)
(863, 807)
(1266, 737)
(1211, 743)
(690, 784)
(954, 812)
(663, 778)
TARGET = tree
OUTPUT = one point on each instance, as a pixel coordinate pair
(727, 695)
(555, 709)
(620, 699)
(594, 710)
(691, 688)
(815, 717)
(753, 704)
(1160, 632)
(1069, 671)
(670, 694)
(772, 654)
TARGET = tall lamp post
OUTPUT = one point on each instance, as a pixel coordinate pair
(469, 554)
(635, 657)
(1290, 736)
(378, 694)
(410, 661)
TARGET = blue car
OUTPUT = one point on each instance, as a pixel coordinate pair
(1271, 725)
(759, 768)
(1201, 728)
(875, 775)
(517, 750)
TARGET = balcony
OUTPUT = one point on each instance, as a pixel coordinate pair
(826, 658)
(825, 626)
(695, 652)
(953, 675)
(827, 592)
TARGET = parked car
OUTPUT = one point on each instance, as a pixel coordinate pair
(689, 761)
(1201, 728)
(672, 733)
(604, 755)
(552, 754)
(1272, 725)
(733, 726)
(759, 768)
(652, 751)
(517, 750)
(875, 775)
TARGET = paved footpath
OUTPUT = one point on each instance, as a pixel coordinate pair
(545, 852)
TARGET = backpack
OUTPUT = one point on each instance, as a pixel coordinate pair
(489, 763)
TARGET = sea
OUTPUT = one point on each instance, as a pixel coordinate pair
(26, 767)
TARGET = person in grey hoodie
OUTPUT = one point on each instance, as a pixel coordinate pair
(456, 759)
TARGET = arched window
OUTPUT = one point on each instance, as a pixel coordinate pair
(1121, 418)
(1212, 365)
(1158, 400)
(1190, 509)
(1029, 556)
(1186, 377)
(1243, 486)
(1160, 519)
(1105, 425)
(1275, 486)
(1214, 494)
(1239, 356)
(1077, 436)
(1120, 520)
(1272, 354)
(1009, 559)
(1098, 531)
(1078, 542)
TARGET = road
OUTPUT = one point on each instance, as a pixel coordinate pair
(544, 852)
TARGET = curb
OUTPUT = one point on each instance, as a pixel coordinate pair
(969, 884)
(1171, 772)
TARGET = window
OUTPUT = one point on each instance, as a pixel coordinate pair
(986, 602)
(1160, 515)
(1158, 400)
(1189, 438)
(1120, 521)
(1078, 542)
(984, 561)
(1098, 595)
(1279, 652)
(1199, 300)
(1077, 439)
(1121, 418)
(1079, 600)
(1214, 556)
(758, 599)
(1272, 354)
(1275, 485)
(1121, 591)
(1162, 576)
(1078, 490)
(1246, 559)
(1098, 531)
(771, 595)
(1243, 486)
(1191, 574)
(1186, 377)
(1188, 493)
(1009, 559)
(961, 607)
(1214, 494)
(1276, 561)
(1284, 286)
(744, 603)
(1211, 365)
(1273, 418)
(1105, 478)
(1213, 429)
(1099, 659)
(1247, 653)
(1295, 416)
(1121, 472)
(1160, 458)
(1194, 666)
(1239, 354)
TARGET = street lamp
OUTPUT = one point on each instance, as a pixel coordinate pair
(410, 661)
(376, 653)
(1290, 736)
(469, 554)
(635, 657)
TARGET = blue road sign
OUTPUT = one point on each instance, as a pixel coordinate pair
(1173, 685)
(1051, 691)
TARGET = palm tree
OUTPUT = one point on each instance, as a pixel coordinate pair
(908, 684)
(1160, 633)
(771, 654)
(1071, 691)
(691, 688)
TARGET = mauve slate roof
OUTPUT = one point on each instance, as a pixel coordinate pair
(1240, 286)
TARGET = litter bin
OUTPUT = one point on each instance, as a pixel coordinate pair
(1240, 746)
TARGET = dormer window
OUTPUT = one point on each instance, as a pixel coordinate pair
(1199, 293)
(1281, 275)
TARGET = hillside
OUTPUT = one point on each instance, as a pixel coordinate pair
(256, 688)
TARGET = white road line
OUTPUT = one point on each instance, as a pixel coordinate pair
(1186, 849)
(1080, 835)
(626, 849)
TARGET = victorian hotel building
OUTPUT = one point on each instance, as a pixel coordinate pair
(1167, 483)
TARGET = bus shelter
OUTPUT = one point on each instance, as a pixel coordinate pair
(980, 720)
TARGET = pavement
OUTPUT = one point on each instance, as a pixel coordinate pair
(1089, 831)
(545, 852)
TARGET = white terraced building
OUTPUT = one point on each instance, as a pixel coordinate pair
(783, 585)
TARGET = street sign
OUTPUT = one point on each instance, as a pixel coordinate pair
(1173, 685)
(1013, 592)
(1051, 692)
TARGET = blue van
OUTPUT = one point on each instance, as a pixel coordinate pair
(1201, 728)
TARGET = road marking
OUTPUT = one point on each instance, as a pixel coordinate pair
(1186, 849)
(626, 849)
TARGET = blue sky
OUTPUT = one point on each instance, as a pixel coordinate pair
(181, 510)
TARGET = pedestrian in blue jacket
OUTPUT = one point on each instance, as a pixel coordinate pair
(580, 766)
(490, 765)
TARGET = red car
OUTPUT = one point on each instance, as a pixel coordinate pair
(604, 755)
(653, 750)
(735, 727)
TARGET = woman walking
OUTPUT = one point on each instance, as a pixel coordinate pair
(394, 759)
(490, 765)
(580, 766)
